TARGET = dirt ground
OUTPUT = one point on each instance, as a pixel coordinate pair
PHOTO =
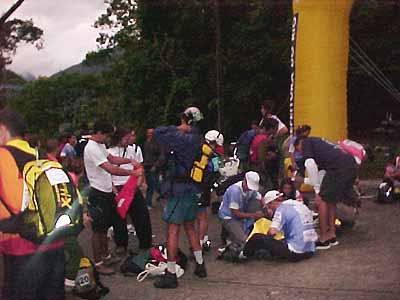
(365, 265)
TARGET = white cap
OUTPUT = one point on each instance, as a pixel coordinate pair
(252, 180)
(271, 196)
(194, 114)
(215, 136)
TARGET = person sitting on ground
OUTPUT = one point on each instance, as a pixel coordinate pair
(392, 170)
(294, 220)
(234, 215)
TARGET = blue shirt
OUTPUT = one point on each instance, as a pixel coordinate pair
(236, 198)
(295, 220)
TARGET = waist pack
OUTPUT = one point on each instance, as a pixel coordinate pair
(51, 205)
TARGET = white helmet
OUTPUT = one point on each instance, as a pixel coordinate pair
(194, 114)
(215, 136)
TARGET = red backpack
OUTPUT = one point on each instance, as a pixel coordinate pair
(254, 146)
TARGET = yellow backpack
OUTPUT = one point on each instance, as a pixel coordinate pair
(51, 205)
(197, 173)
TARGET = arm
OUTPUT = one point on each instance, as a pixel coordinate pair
(114, 170)
(312, 171)
(242, 215)
(118, 160)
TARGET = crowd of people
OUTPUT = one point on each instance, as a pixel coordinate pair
(262, 211)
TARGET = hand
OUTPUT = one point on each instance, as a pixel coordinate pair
(87, 220)
(258, 215)
(135, 164)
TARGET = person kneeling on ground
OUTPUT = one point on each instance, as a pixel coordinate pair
(233, 212)
(294, 220)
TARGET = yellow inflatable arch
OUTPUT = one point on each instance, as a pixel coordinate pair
(319, 58)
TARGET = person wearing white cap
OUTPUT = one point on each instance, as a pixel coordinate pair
(213, 138)
(233, 212)
(294, 220)
(181, 144)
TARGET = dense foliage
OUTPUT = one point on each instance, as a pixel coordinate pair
(161, 57)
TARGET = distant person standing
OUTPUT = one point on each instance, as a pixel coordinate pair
(267, 108)
(68, 150)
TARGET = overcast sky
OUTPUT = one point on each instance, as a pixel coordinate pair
(68, 33)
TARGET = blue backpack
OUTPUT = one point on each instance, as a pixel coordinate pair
(244, 142)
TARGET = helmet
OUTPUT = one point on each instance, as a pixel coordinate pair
(215, 136)
(194, 114)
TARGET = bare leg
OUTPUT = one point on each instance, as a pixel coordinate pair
(192, 235)
(323, 221)
(202, 224)
(172, 241)
(331, 220)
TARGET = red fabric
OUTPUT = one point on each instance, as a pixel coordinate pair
(125, 196)
(18, 246)
(254, 146)
(219, 150)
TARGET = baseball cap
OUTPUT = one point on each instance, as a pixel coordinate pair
(271, 196)
(215, 136)
(252, 180)
(193, 114)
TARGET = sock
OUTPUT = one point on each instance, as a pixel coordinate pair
(198, 255)
(201, 243)
(205, 238)
(69, 282)
(171, 267)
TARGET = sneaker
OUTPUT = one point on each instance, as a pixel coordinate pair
(200, 270)
(206, 246)
(111, 260)
(103, 270)
(322, 245)
(333, 242)
(166, 281)
(241, 256)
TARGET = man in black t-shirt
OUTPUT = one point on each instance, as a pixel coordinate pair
(336, 185)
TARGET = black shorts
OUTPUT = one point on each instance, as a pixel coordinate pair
(275, 248)
(101, 208)
(205, 198)
(337, 185)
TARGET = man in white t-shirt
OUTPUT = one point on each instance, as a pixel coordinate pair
(99, 166)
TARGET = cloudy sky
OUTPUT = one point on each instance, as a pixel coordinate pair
(68, 33)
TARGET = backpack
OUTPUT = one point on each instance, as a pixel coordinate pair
(254, 146)
(51, 206)
(222, 187)
(199, 172)
(354, 149)
(87, 281)
(243, 144)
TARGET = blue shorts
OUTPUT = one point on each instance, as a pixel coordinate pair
(179, 210)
